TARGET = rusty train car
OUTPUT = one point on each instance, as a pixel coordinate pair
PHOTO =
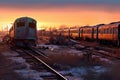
(103, 33)
(110, 33)
(87, 33)
(23, 33)
(74, 32)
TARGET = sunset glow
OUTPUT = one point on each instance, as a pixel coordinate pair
(69, 15)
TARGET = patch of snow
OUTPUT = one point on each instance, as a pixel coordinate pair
(74, 41)
(18, 59)
(106, 60)
(78, 71)
(73, 78)
(102, 51)
(9, 54)
(45, 74)
(20, 63)
(22, 67)
(19, 66)
(103, 59)
(75, 51)
(51, 47)
(99, 69)
(30, 74)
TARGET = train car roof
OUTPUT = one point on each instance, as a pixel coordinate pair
(25, 18)
(111, 25)
(115, 22)
(87, 26)
(74, 27)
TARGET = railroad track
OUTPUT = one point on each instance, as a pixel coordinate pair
(32, 56)
(100, 52)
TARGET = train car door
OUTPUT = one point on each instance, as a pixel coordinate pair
(79, 33)
(92, 33)
(97, 28)
(119, 35)
(82, 33)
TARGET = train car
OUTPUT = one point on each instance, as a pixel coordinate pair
(110, 33)
(44, 34)
(74, 33)
(87, 33)
(66, 32)
(81, 33)
(23, 32)
(95, 31)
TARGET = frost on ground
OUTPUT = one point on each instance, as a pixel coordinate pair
(10, 54)
(51, 47)
(21, 67)
(30, 74)
(85, 73)
(66, 54)
(74, 78)
(46, 74)
(71, 51)
(105, 60)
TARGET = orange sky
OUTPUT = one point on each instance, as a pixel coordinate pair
(54, 17)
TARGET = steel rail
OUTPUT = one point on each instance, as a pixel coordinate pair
(93, 52)
(60, 77)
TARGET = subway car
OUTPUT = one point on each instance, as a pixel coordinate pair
(87, 33)
(95, 31)
(66, 32)
(110, 33)
(74, 33)
(23, 33)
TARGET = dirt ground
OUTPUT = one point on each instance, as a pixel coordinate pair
(6, 66)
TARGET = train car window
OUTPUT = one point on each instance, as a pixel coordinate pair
(20, 24)
(95, 31)
(106, 31)
(103, 31)
(32, 25)
(111, 31)
(99, 31)
(115, 30)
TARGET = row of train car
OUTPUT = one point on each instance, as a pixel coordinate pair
(23, 32)
(103, 33)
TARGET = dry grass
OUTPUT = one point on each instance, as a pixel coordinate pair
(64, 59)
(73, 60)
